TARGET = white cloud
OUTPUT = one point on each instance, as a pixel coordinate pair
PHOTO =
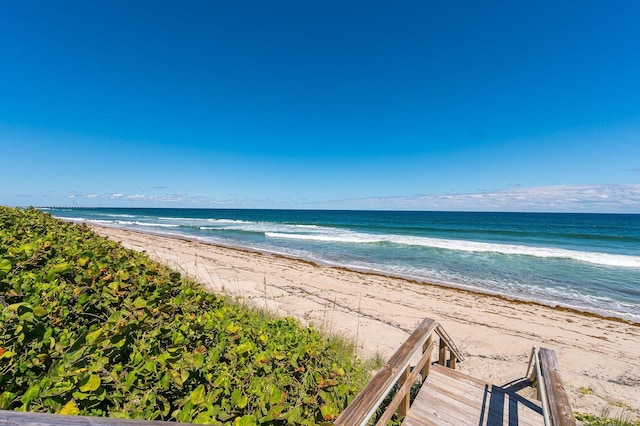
(159, 200)
(558, 198)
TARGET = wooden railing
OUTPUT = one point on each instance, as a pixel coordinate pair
(20, 418)
(545, 376)
(397, 372)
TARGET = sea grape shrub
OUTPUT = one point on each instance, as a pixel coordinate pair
(88, 327)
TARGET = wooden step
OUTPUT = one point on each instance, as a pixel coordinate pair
(449, 397)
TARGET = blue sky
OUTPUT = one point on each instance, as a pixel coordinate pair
(522, 106)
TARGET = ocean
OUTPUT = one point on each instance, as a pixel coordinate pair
(589, 262)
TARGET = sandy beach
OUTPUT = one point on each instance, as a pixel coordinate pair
(598, 356)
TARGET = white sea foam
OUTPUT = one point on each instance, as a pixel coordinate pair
(138, 223)
(362, 238)
(261, 227)
(337, 235)
(160, 225)
(84, 219)
(227, 221)
(326, 234)
(72, 219)
(467, 246)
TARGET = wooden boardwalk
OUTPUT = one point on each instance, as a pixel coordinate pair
(449, 397)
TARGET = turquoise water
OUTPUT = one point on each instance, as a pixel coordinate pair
(589, 262)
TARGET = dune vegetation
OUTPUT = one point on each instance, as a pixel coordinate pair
(88, 327)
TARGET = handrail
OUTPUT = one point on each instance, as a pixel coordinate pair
(533, 352)
(560, 410)
(452, 346)
(556, 409)
(397, 371)
(542, 391)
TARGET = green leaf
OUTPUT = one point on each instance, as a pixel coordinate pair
(70, 409)
(31, 393)
(39, 311)
(244, 347)
(61, 268)
(247, 420)
(329, 412)
(82, 299)
(91, 383)
(5, 266)
(294, 416)
(81, 395)
(6, 398)
(276, 397)
(177, 379)
(197, 396)
(238, 399)
(233, 328)
(140, 303)
(93, 336)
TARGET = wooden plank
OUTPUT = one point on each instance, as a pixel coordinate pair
(20, 418)
(452, 398)
(441, 407)
(560, 410)
(444, 404)
(459, 376)
(367, 401)
(469, 398)
(497, 408)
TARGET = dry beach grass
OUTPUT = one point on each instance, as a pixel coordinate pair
(598, 356)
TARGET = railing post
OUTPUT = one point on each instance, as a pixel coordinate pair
(442, 355)
(403, 408)
(427, 366)
(452, 362)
